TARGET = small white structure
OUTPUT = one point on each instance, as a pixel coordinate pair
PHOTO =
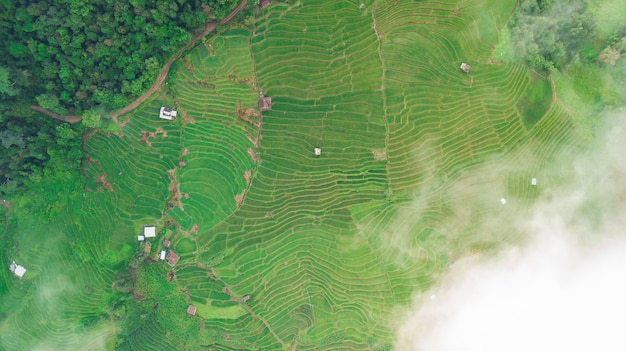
(465, 67)
(533, 181)
(167, 113)
(162, 256)
(17, 269)
(503, 201)
(149, 231)
(140, 237)
(433, 296)
(317, 151)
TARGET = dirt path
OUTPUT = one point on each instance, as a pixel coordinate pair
(70, 119)
(208, 28)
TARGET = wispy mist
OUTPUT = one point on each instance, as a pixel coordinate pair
(563, 290)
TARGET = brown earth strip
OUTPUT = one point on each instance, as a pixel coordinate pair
(174, 189)
(69, 119)
(244, 114)
(252, 155)
(239, 198)
(145, 136)
(247, 175)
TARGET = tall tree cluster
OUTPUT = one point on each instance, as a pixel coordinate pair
(77, 54)
(548, 34)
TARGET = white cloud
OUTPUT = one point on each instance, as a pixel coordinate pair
(565, 289)
(551, 295)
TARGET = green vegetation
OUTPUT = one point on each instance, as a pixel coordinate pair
(80, 54)
(35, 148)
(208, 311)
(548, 34)
(415, 157)
(536, 100)
(580, 43)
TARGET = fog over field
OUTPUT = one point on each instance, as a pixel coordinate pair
(562, 290)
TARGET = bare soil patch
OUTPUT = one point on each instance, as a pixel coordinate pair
(254, 141)
(69, 119)
(186, 118)
(239, 198)
(252, 155)
(145, 136)
(102, 180)
(249, 81)
(194, 228)
(244, 114)
(174, 189)
(247, 175)
(380, 154)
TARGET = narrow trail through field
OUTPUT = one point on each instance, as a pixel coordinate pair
(208, 28)
(382, 82)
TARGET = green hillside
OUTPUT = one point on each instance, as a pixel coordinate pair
(416, 156)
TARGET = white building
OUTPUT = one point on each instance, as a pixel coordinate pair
(140, 237)
(317, 151)
(162, 256)
(503, 201)
(17, 269)
(149, 231)
(533, 181)
(167, 113)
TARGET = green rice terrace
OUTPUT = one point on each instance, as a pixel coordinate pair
(275, 247)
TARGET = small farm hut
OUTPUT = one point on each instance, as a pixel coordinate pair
(172, 258)
(149, 231)
(265, 103)
(317, 151)
(465, 67)
(191, 310)
(17, 269)
(245, 299)
(166, 244)
(503, 201)
(140, 237)
(263, 3)
(533, 181)
(162, 255)
(167, 113)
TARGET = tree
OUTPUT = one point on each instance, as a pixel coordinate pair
(10, 138)
(609, 56)
(6, 86)
(92, 119)
(50, 102)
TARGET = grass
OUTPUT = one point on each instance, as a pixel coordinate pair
(208, 311)
(415, 157)
(536, 100)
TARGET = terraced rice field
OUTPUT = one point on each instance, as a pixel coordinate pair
(415, 157)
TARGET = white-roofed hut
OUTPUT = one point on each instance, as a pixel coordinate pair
(167, 113)
(149, 231)
(465, 67)
(17, 269)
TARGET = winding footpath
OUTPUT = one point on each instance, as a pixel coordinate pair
(208, 28)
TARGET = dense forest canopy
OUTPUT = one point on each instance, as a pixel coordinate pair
(549, 34)
(73, 55)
